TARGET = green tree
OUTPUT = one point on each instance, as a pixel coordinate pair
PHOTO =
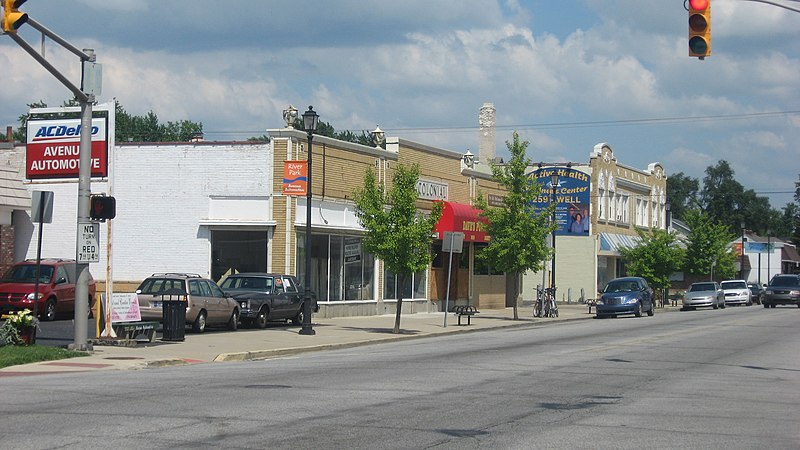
(326, 129)
(518, 230)
(655, 258)
(707, 244)
(399, 235)
(722, 196)
(147, 128)
(682, 191)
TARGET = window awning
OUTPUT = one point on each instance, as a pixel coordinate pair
(462, 218)
(612, 242)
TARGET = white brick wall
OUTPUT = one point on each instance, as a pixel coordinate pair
(162, 194)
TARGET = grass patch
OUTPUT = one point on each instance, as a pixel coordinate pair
(14, 355)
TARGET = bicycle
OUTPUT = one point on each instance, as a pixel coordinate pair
(550, 305)
(545, 305)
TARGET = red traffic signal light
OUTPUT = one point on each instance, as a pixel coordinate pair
(700, 28)
(12, 18)
(102, 207)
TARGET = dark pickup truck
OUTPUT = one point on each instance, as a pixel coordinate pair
(267, 297)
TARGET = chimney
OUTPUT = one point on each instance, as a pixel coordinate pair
(9, 134)
(486, 140)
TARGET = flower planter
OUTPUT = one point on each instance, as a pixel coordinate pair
(28, 335)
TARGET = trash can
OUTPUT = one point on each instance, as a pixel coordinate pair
(173, 323)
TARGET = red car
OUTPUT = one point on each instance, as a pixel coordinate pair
(57, 279)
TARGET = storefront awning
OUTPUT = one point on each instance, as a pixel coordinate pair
(462, 218)
(612, 242)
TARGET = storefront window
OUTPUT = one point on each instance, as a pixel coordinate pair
(340, 269)
(440, 258)
(483, 267)
(413, 287)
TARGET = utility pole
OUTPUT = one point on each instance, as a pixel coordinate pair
(90, 87)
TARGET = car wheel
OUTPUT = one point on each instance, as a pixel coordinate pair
(233, 322)
(199, 324)
(49, 313)
(638, 312)
(298, 318)
(262, 319)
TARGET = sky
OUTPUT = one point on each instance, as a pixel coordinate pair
(566, 75)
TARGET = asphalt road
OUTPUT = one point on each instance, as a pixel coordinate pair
(703, 379)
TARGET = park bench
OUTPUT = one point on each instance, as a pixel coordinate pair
(465, 310)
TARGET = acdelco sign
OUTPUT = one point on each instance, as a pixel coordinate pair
(53, 149)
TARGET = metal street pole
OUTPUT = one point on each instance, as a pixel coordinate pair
(553, 261)
(741, 268)
(310, 119)
(86, 95)
(84, 192)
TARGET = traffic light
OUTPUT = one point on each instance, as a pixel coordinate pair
(700, 28)
(102, 207)
(12, 18)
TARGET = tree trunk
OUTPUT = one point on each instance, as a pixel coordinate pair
(401, 279)
(513, 291)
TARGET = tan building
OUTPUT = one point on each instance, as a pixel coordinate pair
(622, 199)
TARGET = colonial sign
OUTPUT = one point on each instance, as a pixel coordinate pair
(53, 148)
(571, 196)
(431, 190)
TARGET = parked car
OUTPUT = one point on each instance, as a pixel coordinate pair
(783, 290)
(757, 292)
(736, 292)
(628, 295)
(266, 297)
(57, 279)
(206, 303)
(704, 294)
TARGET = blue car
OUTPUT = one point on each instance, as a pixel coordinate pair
(628, 295)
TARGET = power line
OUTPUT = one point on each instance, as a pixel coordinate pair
(559, 125)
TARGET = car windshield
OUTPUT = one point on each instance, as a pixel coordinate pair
(785, 281)
(702, 287)
(733, 285)
(247, 283)
(26, 273)
(621, 286)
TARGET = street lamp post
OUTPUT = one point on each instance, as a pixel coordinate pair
(310, 121)
(741, 268)
(553, 184)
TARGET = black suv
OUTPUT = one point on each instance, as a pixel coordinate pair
(265, 297)
(783, 290)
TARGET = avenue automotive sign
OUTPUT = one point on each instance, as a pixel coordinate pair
(53, 149)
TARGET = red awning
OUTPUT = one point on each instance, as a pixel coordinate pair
(465, 219)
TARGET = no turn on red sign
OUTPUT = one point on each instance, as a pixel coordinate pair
(88, 242)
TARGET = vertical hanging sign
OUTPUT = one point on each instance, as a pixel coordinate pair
(295, 177)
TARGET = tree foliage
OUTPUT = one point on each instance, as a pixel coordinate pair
(655, 258)
(399, 234)
(518, 230)
(326, 129)
(708, 243)
(682, 192)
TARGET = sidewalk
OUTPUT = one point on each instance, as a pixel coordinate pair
(279, 340)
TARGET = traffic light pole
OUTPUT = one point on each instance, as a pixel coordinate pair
(86, 100)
